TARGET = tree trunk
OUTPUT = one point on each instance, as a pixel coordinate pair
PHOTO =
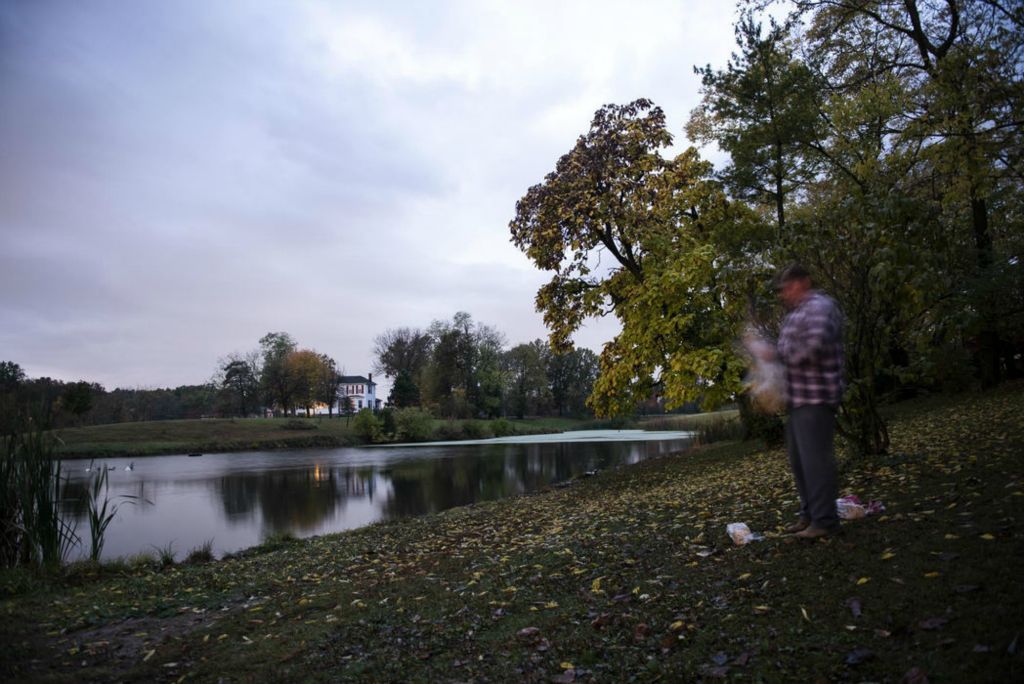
(989, 343)
(780, 200)
(860, 422)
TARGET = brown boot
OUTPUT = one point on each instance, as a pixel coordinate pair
(813, 532)
(799, 526)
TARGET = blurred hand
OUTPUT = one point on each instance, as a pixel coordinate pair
(759, 348)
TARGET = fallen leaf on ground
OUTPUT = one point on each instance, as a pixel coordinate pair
(528, 634)
(933, 623)
(858, 656)
(915, 675)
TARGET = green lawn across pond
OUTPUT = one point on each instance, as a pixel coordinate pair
(627, 575)
(181, 436)
(146, 438)
(149, 438)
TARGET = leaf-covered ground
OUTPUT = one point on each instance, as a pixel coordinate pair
(627, 575)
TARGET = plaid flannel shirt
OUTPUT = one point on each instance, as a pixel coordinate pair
(811, 348)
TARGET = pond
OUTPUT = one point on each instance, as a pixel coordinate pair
(239, 499)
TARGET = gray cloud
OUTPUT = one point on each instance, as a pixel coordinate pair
(177, 179)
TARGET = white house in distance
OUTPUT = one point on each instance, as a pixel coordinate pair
(362, 391)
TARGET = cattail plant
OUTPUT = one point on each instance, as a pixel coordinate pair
(32, 489)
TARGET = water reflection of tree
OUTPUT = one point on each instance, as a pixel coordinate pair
(494, 472)
(74, 503)
(433, 485)
(293, 500)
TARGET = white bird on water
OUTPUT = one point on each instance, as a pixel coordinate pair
(130, 467)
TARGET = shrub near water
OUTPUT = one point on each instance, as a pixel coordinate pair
(449, 430)
(476, 429)
(367, 426)
(413, 425)
(387, 421)
(502, 427)
(721, 430)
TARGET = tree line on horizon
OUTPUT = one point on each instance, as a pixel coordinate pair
(462, 369)
(278, 375)
(453, 369)
(57, 403)
(877, 143)
(281, 377)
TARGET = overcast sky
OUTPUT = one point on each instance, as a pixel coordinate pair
(178, 178)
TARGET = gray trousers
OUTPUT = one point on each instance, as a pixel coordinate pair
(810, 435)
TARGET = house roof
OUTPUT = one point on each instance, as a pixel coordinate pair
(356, 379)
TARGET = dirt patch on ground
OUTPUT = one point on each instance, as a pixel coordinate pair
(131, 639)
(119, 646)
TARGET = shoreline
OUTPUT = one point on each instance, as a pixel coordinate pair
(227, 435)
(220, 448)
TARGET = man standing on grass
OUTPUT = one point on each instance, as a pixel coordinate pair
(811, 349)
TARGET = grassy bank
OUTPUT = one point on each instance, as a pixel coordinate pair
(718, 426)
(242, 434)
(688, 421)
(625, 575)
(182, 436)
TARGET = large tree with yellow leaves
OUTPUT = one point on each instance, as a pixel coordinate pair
(653, 241)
